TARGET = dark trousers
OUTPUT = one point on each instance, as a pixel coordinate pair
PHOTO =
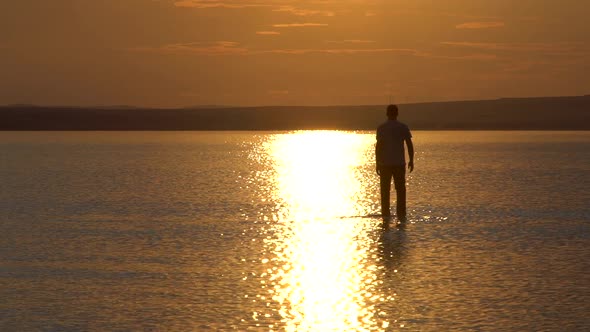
(399, 178)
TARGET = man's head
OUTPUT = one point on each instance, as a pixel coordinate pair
(392, 112)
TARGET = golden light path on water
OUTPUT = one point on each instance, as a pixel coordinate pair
(323, 277)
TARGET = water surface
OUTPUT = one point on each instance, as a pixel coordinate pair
(277, 231)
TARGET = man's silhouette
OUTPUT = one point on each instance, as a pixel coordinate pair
(391, 161)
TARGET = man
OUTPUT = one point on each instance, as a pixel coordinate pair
(391, 161)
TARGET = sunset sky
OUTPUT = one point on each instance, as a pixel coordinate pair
(167, 53)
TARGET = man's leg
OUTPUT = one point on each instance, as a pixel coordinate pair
(385, 182)
(399, 178)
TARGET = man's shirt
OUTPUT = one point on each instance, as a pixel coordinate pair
(390, 138)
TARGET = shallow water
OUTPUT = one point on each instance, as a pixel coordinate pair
(183, 231)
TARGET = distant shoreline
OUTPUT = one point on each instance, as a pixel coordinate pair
(548, 113)
(274, 130)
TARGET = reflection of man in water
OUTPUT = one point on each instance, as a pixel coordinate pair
(391, 161)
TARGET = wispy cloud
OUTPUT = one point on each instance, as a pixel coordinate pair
(343, 51)
(351, 41)
(202, 4)
(299, 25)
(480, 25)
(197, 48)
(425, 13)
(220, 48)
(268, 33)
(564, 47)
(278, 92)
(225, 48)
(303, 12)
(524, 66)
(275, 5)
(475, 57)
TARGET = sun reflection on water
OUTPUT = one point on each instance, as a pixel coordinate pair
(315, 173)
(322, 278)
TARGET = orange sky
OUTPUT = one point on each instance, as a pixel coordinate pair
(167, 53)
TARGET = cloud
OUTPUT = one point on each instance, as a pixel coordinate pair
(303, 12)
(278, 92)
(229, 48)
(234, 48)
(276, 5)
(225, 48)
(299, 25)
(343, 51)
(425, 13)
(562, 48)
(476, 57)
(202, 4)
(197, 48)
(351, 41)
(480, 25)
(268, 33)
(524, 66)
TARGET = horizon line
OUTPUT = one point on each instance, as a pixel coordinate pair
(212, 106)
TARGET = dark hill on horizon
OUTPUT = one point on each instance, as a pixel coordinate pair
(547, 113)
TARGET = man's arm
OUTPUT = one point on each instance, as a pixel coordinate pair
(410, 153)
(378, 156)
